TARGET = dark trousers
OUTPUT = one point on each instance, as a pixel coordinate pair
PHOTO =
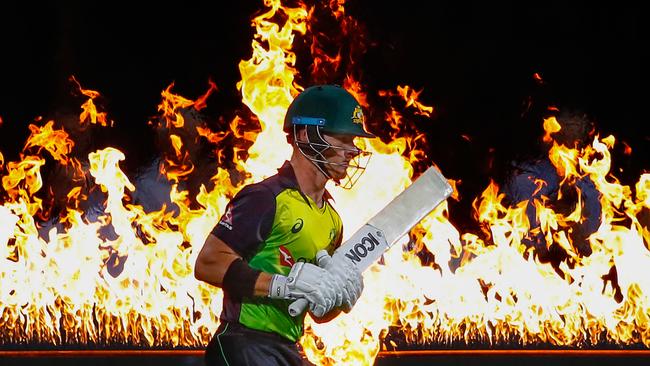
(236, 345)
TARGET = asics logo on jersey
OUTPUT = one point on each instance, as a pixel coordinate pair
(297, 226)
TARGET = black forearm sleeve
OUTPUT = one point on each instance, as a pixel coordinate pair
(240, 278)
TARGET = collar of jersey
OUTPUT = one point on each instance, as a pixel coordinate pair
(289, 180)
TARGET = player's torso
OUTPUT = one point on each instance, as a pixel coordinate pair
(300, 229)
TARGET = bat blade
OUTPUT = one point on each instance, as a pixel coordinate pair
(390, 224)
(396, 219)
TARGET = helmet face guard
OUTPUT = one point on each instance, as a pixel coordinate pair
(328, 109)
(315, 148)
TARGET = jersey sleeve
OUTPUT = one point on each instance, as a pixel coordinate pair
(247, 221)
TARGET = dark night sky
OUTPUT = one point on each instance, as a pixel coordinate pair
(474, 61)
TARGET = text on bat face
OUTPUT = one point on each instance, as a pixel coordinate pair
(360, 250)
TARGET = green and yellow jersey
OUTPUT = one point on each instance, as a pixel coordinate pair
(273, 225)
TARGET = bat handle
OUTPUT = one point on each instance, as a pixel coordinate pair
(298, 307)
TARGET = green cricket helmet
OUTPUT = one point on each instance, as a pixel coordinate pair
(322, 110)
(331, 107)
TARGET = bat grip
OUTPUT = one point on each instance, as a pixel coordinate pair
(298, 307)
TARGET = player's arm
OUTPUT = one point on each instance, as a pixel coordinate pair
(241, 230)
(244, 225)
(219, 265)
(215, 259)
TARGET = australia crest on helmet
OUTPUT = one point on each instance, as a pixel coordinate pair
(357, 115)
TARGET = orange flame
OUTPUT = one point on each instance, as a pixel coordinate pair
(89, 110)
(56, 142)
(410, 96)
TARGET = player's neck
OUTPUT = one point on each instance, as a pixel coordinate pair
(310, 179)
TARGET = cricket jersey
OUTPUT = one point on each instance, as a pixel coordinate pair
(273, 225)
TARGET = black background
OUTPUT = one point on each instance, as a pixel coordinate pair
(474, 62)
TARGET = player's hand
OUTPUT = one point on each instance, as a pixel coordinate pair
(308, 281)
(347, 276)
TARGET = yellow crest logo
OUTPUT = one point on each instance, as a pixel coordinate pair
(357, 115)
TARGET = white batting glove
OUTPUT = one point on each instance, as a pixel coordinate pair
(310, 282)
(347, 276)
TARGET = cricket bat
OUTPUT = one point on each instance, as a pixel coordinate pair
(384, 229)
